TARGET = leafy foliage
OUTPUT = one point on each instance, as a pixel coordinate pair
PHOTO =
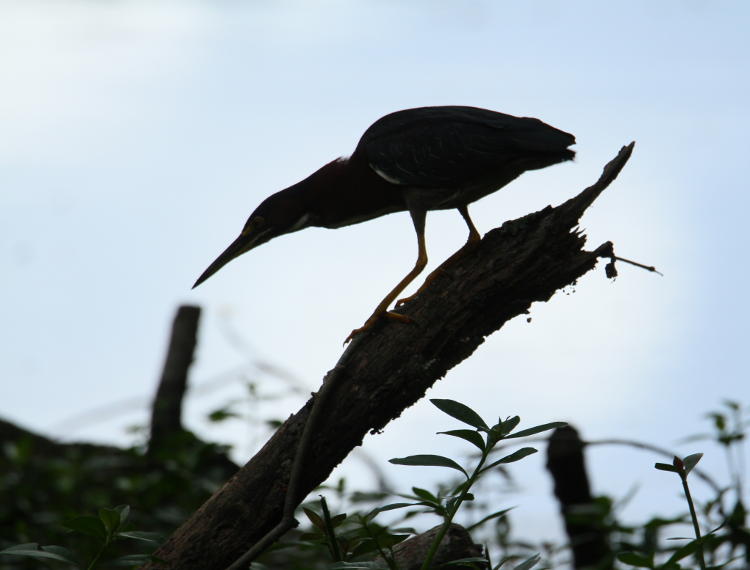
(53, 493)
(105, 530)
(51, 488)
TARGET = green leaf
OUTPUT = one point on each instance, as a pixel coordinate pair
(732, 405)
(469, 435)
(60, 551)
(494, 515)
(110, 519)
(133, 560)
(528, 563)
(691, 461)
(336, 520)
(124, 511)
(222, 414)
(515, 456)
(461, 412)
(666, 467)
(88, 525)
(683, 552)
(390, 507)
(507, 426)
(33, 550)
(428, 461)
(153, 537)
(22, 546)
(315, 519)
(376, 565)
(469, 562)
(536, 429)
(720, 421)
(635, 559)
(425, 495)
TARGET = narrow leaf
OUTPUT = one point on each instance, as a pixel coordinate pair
(691, 461)
(338, 519)
(425, 495)
(515, 456)
(22, 546)
(683, 552)
(461, 412)
(635, 560)
(375, 565)
(494, 515)
(60, 551)
(468, 562)
(507, 426)
(131, 560)
(469, 435)
(528, 563)
(315, 519)
(536, 429)
(428, 461)
(153, 537)
(32, 550)
(390, 507)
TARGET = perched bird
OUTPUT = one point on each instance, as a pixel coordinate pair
(428, 158)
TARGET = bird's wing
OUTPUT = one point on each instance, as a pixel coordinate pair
(453, 146)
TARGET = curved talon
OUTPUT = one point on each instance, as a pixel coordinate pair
(352, 334)
(374, 318)
(368, 325)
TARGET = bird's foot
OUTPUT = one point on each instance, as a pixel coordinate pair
(369, 323)
(430, 278)
(443, 268)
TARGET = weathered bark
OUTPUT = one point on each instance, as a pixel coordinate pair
(455, 545)
(390, 367)
(166, 411)
(583, 523)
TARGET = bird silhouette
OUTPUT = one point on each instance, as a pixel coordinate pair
(415, 160)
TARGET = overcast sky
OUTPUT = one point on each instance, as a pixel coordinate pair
(136, 137)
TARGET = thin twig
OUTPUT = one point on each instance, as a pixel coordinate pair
(646, 267)
(693, 517)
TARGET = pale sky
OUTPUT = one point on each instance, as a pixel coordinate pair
(136, 138)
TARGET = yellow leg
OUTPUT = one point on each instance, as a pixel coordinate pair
(473, 239)
(382, 309)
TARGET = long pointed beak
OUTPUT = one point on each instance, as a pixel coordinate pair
(236, 248)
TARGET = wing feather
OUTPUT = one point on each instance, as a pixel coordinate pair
(449, 147)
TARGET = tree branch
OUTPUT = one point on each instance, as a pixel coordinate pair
(389, 368)
(166, 411)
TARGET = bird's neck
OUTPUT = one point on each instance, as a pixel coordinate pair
(346, 191)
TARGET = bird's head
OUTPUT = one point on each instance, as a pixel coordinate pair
(281, 213)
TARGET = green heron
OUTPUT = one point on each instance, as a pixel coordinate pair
(415, 160)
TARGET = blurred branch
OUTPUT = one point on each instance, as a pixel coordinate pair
(166, 411)
(388, 369)
(583, 521)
